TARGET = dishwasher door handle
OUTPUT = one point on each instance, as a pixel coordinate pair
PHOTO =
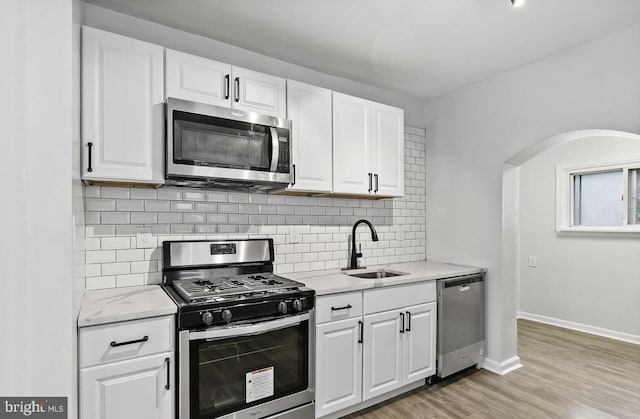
(464, 288)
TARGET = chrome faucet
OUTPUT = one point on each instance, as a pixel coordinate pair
(354, 254)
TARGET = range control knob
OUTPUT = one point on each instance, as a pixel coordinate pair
(226, 315)
(297, 305)
(207, 318)
(282, 307)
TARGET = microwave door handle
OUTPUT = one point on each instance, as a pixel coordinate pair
(253, 329)
(275, 147)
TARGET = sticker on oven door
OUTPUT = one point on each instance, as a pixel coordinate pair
(259, 384)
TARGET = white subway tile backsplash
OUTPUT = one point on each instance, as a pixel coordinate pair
(100, 282)
(116, 268)
(157, 206)
(181, 206)
(113, 192)
(107, 243)
(217, 196)
(144, 217)
(129, 280)
(144, 193)
(99, 204)
(130, 205)
(129, 255)
(114, 215)
(100, 256)
(109, 217)
(170, 194)
(188, 195)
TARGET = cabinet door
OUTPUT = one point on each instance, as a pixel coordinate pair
(351, 144)
(309, 109)
(140, 388)
(259, 92)
(387, 150)
(382, 359)
(420, 342)
(338, 366)
(198, 79)
(122, 113)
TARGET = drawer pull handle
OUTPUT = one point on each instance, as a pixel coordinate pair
(347, 307)
(129, 342)
(89, 146)
(168, 362)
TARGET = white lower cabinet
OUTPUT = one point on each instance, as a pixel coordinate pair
(127, 370)
(371, 343)
(139, 388)
(419, 354)
(338, 366)
(382, 353)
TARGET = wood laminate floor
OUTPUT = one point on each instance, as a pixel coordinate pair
(565, 374)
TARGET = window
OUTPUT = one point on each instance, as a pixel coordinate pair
(598, 199)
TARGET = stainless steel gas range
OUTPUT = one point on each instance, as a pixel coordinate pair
(245, 336)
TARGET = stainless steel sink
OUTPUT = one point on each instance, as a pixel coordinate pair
(378, 274)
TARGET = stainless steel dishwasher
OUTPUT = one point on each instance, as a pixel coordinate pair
(460, 323)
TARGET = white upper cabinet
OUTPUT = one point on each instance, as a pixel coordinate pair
(198, 79)
(309, 109)
(351, 145)
(123, 109)
(387, 150)
(202, 80)
(368, 147)
(259, 92)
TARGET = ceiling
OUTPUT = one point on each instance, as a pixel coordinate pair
(422, 47)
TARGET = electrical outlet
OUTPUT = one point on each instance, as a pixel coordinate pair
(533, 261)
(144, 240)
(295, 236)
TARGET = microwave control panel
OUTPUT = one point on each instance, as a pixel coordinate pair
(283, 157)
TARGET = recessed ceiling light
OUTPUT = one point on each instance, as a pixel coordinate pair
(517, 3)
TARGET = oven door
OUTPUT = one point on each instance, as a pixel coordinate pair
(247, 371)
(205, 141)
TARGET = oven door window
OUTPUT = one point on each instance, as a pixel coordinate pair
(232, 374)
(201, 140)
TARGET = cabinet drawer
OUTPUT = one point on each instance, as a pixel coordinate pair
(390, 298)
(338, 307)
(125, 340)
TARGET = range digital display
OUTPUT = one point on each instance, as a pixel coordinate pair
(223, 249)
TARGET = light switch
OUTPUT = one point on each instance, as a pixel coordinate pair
(144, 240)
(533, 261)
(295, 236)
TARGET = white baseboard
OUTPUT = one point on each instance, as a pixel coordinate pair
(599, 331)
(501, 368)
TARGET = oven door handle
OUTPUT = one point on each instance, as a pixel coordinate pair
(253, 329)
(275, 149)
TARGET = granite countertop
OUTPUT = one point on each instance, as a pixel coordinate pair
(121, 304)
(335, 281)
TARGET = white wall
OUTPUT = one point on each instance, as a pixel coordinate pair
(35, 163)
(473, 131)
(586, 280)
(77, 196)
(194, 44)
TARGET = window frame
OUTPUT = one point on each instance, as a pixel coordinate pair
(565, 204)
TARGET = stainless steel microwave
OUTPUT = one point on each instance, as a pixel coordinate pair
(214, 146)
